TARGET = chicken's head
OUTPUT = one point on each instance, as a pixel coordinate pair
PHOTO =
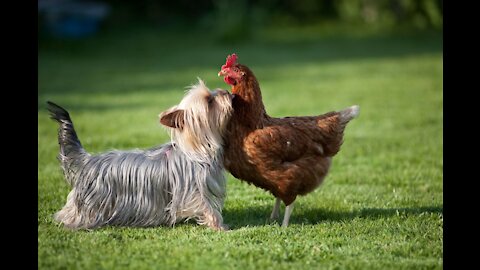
(232, 71)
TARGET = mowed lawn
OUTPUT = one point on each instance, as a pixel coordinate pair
(380, 207)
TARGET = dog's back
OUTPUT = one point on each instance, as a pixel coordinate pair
(176, 181)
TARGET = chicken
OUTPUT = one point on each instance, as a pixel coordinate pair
(286, 156)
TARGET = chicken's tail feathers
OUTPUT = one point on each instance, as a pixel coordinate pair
(350, 113)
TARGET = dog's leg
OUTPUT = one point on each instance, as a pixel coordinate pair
(69, 214)
(214, 220)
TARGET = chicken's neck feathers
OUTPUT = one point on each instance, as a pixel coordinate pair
(249, 103)
(249, 90)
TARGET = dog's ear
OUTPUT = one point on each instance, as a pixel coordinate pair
(173, 119)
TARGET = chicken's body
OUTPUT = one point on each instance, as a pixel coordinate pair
(287, 156)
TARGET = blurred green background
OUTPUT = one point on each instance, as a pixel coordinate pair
(115, 65)
(243, 19)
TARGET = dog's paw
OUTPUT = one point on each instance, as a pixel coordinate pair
(223, 227)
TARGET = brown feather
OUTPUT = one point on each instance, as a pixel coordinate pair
(287, 156)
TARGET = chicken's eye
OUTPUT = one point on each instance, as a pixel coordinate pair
(235, 69)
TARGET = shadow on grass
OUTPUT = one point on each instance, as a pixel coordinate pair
(137, 70)
(123, 66)
(80, 107)
(259, 215)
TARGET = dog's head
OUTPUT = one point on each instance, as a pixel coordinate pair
(198, 123)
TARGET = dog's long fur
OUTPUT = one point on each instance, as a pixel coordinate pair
(166, 184)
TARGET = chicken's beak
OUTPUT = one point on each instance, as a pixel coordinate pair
(222, 73)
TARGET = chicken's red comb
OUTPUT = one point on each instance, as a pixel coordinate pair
(231, 60)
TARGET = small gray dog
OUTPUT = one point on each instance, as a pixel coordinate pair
(173, 182)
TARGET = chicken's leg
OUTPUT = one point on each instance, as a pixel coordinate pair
(286, 217)
(276, 207)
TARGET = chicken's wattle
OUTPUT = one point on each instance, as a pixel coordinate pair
(229, 80)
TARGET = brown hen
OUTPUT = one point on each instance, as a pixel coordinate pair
(287, 156)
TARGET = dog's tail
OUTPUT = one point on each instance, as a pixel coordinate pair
(72, 155)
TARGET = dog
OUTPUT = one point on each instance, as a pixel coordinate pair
(164, 185)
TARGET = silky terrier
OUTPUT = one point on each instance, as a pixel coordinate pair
(164, 185)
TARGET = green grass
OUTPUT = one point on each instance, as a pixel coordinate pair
(381, 206)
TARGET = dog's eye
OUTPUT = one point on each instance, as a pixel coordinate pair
(210, 99)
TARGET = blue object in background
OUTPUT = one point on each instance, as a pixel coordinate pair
(75, 27)
(72, 19)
